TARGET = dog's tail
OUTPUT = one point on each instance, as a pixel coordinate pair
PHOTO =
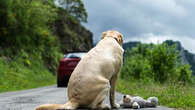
(69, 105)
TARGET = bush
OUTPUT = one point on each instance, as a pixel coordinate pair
(137, 67)
(159, 63)
(23, 72)
(184, 74)
(164, 60)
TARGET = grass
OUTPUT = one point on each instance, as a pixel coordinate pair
(21, 73)
(171, 95)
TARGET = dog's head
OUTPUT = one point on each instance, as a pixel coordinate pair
(115, 34)
(126, 99)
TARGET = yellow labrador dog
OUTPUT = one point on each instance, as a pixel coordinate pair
(95, 75)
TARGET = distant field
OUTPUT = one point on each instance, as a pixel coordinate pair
(171, 95)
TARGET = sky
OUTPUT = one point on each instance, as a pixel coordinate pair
(144, 20)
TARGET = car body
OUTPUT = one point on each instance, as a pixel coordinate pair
(66, 67)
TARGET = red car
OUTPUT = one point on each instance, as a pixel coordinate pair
(66, 67)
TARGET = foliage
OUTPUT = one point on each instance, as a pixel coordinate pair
(174, 95)
(191, 59)
(159, 63)
(138, 67)
(24, 23)
(75, 8)
(70, 31)
(184, 74)
(30, 41)
(163, 59)
(186, 56)
(31, 26)
(24, 72)
(24, 27)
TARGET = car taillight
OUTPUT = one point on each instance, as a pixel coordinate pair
(69, 62)
(63, 62)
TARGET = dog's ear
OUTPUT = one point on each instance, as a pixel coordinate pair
(103, 35)
(120, 39)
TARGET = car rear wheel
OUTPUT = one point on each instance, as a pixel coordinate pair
(63, 82)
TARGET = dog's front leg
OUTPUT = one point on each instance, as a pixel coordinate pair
(112, 92)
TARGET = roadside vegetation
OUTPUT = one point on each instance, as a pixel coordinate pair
(157, 70)
(34, 35)
(19, 73)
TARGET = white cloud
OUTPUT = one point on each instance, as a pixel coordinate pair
(170, 7)
(187, 42)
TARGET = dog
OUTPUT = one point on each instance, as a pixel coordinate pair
(95, 75)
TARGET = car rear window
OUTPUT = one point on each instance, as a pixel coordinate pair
(74, 55)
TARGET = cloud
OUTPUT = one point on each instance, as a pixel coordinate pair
(140, 17)
(187, 42)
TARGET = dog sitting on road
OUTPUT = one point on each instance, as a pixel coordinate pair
(95, 75)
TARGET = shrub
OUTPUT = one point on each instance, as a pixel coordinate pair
(159, 63)
(136, 67)
(184, 74)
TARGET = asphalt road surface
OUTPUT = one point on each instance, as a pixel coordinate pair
(29, 99)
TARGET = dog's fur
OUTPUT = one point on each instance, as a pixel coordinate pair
(95, 75)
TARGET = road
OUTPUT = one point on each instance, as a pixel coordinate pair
(29, 99)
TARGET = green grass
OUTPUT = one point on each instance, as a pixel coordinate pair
(171, 95)
(21, 73)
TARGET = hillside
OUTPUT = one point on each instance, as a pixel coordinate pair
(34, 38)
(73, 36)
(186, 56)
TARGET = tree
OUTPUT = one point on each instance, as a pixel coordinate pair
(25, 22)
(163, 60)
(158, 63)
(185, 74)
(75, 8)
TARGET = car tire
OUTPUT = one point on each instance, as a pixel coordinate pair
(59, 83)
(63, 82)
